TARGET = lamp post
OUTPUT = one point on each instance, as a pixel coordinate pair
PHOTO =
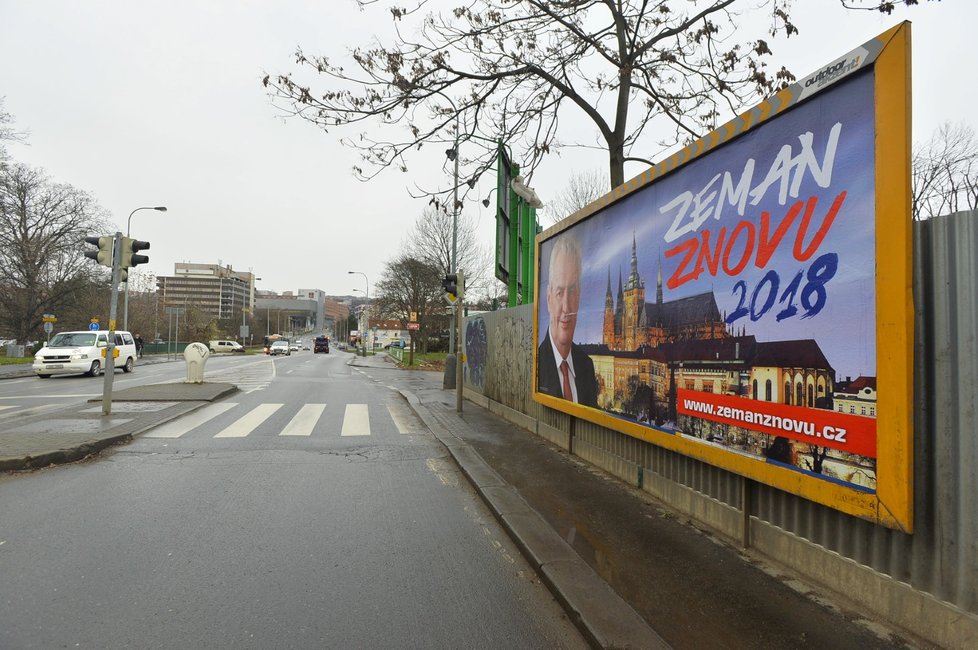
(366, 308)
(452, 155)
(125, 309)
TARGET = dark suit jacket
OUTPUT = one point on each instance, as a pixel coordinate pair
(550, 383)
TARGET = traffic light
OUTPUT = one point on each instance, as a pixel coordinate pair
(104, 253)
(450, 284)
(130, 252)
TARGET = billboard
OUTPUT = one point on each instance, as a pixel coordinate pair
(748, 300)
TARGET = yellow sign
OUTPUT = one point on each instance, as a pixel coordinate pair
(49, 319)
(115, 353)
(414, 317)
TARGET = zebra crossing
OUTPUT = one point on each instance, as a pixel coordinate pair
(307, 420)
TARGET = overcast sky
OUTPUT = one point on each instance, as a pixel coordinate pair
(160, 103)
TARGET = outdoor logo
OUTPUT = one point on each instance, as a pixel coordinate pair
(833, 72)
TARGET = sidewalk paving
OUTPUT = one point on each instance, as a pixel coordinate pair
(629, 573)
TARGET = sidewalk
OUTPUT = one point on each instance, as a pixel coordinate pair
(609, 552)
(628, 572)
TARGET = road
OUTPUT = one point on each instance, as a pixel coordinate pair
(310, 510)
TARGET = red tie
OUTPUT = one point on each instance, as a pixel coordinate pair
(565, 371)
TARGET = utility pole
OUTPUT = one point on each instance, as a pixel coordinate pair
(459, 384)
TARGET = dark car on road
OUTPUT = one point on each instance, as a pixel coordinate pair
(321, 345)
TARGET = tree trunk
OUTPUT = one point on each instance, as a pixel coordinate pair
(616, 164)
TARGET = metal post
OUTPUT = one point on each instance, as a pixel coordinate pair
(365, 326)
(459, 388)
(110, 348)
(451, 330)
(125, 312)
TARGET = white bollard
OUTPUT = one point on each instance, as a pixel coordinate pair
(196, 355)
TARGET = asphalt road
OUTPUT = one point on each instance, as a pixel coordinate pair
(311, 510)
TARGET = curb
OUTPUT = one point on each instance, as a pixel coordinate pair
(601, 615)
(62, 456)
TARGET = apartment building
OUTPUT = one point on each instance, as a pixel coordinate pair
(213, 289)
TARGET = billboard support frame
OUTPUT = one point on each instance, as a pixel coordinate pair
(891, 504)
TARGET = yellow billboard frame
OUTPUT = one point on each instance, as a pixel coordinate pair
(892, 503)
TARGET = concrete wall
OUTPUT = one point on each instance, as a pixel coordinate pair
(926, 582)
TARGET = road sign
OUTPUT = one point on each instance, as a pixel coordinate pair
(48, 318)
(414, 326)
(48, 327)
(93, 326)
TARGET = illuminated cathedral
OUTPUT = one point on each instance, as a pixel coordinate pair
(631, 323)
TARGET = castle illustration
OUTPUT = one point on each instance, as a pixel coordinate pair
(631, 323)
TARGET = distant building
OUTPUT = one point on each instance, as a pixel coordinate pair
(215, 290)
(388, 331)
(306, 309)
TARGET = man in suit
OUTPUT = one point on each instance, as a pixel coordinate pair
(563, 369)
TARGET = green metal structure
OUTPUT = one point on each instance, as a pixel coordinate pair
(516, 229)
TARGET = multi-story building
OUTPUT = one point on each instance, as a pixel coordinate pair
(213, 289)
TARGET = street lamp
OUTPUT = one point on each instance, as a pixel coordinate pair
(125, 309)
(366, 310)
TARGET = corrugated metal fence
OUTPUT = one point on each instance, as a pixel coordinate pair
(926, 582)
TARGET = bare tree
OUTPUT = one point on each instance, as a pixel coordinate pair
(144, 307)
(431, 242)
(641, 75)
(8, 133)
(42, 225)
(945, 173)
(412, 285)
(511, 69)
(582, 188)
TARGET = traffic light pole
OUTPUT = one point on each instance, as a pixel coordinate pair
(110, 348)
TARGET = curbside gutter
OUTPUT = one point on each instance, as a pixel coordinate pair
(602, 616)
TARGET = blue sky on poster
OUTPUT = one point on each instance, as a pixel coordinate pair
(650, 215)
(143, 103)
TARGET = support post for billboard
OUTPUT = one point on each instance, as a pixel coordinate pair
(745, 504)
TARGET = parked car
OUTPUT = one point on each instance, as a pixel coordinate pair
(321, 344)
(279, 347)
(225, 346)
(400, 343)
(83, 352)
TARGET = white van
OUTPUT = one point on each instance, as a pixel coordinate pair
(225, 346)
(72, 353)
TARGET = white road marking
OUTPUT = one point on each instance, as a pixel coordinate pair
(180, 426)
(304, 421)
(403, 426)
(6, 407)
(356, 420)
(247, 423)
